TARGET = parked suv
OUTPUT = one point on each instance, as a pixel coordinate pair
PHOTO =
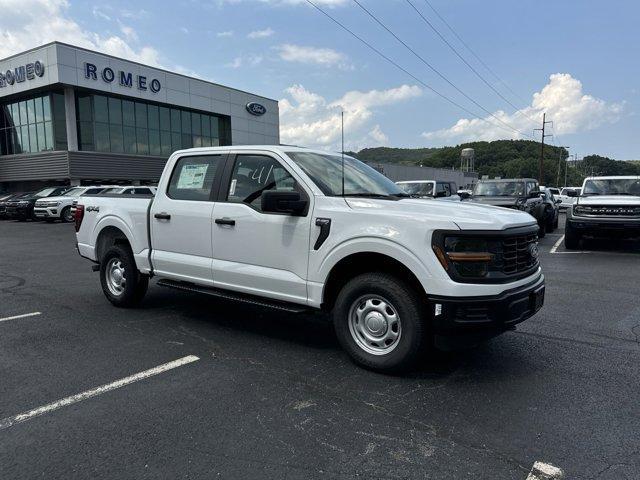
(608, 207)
(22, 208)
(430, 189)
(517, 193)
(552, 205)
(5, 198)
(298, 229)
(59, 208)
(567, 197)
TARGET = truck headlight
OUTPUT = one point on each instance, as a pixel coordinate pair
(469, 257)
(580, 210)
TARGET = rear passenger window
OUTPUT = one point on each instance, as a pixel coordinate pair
(193, 178)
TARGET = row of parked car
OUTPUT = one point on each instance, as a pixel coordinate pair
(543, 203)
(57, 203)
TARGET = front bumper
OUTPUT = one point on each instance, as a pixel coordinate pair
(605, 227)
(453, 316)
(46, 212)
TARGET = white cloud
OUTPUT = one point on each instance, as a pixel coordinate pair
(267, 32)
(228, 33)
(311, 55)
(307, 118)
(26, 24)
(184, 30)
(245, 61)
(563, 101)
(100, 14)
(378, 135)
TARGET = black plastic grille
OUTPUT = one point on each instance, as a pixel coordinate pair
(517, 254)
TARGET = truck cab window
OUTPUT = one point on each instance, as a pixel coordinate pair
(193, 178)
(254, 174)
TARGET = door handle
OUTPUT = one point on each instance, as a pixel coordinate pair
(225, 221)
(162, 216)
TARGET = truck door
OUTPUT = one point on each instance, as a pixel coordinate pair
(255, 252)
(181, 219)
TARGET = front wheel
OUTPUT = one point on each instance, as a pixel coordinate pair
(380, 322)
(571, 237)
(122, 283)
(66, 215)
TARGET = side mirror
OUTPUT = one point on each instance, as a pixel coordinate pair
(283, 202)
(464, 195)
(572, 193)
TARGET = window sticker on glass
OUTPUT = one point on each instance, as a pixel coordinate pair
(232, 189)
(192, 176)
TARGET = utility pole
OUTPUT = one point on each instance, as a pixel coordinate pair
(541, 166)
(559, 164)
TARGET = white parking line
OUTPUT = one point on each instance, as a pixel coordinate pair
(545, 471)
(23, 417)
(15, 317)
(557, 244)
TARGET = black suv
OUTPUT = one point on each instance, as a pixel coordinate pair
(517, 193)
(21, 208)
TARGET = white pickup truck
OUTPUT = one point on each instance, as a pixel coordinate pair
(299, 229)
(608, 207)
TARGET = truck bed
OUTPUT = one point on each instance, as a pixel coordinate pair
(128, 213)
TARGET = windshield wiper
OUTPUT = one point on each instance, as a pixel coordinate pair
(404, 195)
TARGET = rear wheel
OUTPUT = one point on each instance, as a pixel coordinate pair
(571, 237)
(380, 322)
(122, 283)
(66, 215)
(551, 222)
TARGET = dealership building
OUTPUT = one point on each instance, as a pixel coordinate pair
(74, 116)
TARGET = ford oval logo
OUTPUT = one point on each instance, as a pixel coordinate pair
(256, 109)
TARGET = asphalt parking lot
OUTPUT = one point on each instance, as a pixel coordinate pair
(264, 394)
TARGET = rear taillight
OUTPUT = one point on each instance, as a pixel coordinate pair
(79, 215)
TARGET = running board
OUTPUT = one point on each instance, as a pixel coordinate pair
(233, 296)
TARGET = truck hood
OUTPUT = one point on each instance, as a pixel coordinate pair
(608, 200)
(509, 202)
(466, 215)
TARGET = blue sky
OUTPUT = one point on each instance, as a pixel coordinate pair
(579, 57)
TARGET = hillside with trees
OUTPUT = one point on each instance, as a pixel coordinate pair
(505, 158)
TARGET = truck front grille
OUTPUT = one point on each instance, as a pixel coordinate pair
(519, 254)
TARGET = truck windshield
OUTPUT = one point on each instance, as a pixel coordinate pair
(419, 188)
(612, 186)
(74, 192)
(499, 189)
(359, 179)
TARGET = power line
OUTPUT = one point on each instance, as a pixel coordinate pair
(471, 67)
(435, 70)
(495, 75)
(398, 66)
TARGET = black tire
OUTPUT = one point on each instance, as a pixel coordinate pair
(65, 215)
(556, 223)
(135, 285)
(411, 327)
(571, 237)
(551, 223)
(541, 231)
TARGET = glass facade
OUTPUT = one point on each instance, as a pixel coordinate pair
(32, 125)
(112, 124)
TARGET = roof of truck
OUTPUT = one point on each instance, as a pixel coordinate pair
(271, 148)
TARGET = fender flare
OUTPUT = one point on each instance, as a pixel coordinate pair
(116, 222)
(377, 245)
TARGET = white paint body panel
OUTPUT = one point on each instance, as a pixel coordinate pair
(273, 255)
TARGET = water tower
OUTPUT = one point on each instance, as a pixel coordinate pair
(468, 160)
